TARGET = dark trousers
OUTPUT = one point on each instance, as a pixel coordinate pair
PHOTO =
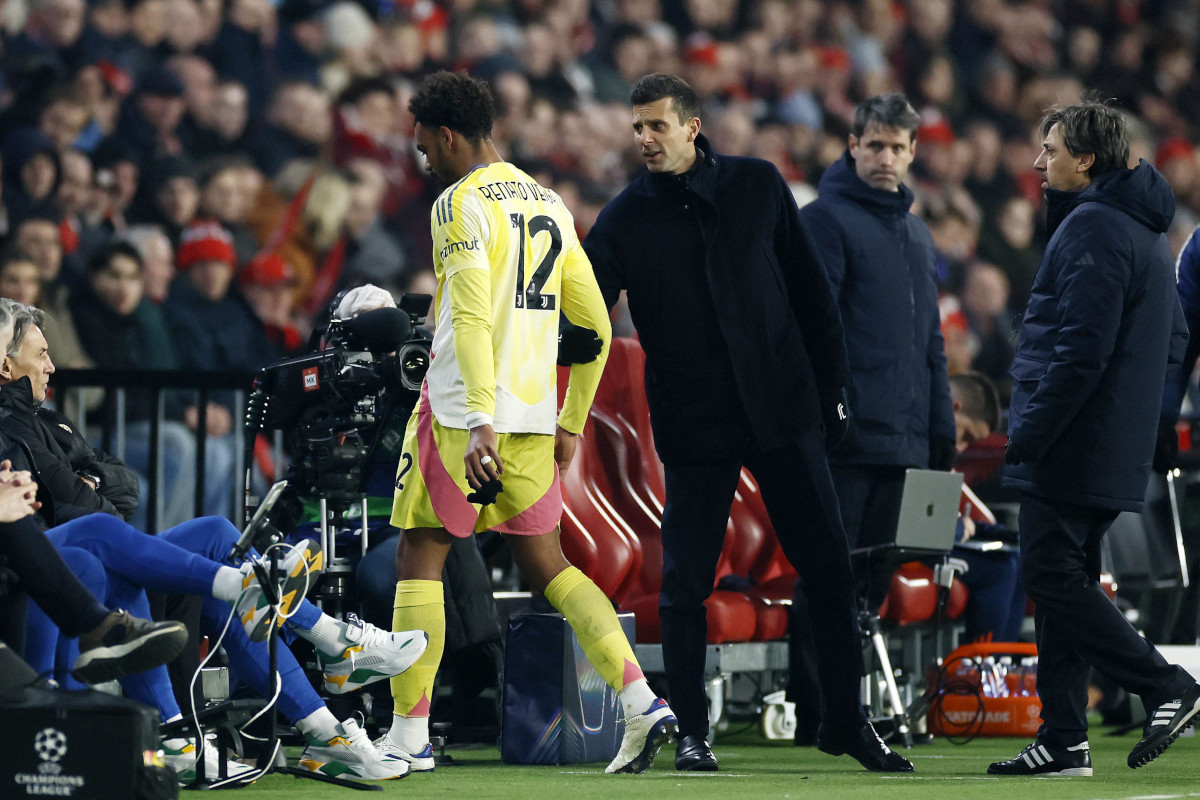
(996, 604)
(45, 577)
(869, 500)
(1077, 625)
(799, 496)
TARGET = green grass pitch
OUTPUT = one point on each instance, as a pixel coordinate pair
(757, 769)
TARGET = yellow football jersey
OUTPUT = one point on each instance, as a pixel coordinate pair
(519, 234)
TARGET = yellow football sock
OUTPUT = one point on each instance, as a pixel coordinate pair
(591, 616)
(420, 605)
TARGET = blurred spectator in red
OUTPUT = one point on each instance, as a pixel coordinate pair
(960, 345)
(365, 127)
(213, 328)
(267, 283)
(1176, 160)
(300, 215)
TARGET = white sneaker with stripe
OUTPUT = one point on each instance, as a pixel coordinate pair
(1040, 760)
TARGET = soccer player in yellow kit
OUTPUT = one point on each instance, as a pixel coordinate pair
(508, 262)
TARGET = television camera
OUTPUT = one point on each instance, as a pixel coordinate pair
(330, 403)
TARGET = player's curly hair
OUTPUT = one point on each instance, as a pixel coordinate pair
(457, 101)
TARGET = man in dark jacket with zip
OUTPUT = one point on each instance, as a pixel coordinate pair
(744, 362)
(86, 479)
(1102, 324)
(880, 261)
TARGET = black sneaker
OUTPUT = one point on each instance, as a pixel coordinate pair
(865, 746)
(1038, 759)
(124, 644)
(1164, 725)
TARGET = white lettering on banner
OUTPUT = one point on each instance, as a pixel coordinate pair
(49, 785)
(966, 717)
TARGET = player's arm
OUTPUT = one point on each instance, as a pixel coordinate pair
(469, 291)
(584, 304)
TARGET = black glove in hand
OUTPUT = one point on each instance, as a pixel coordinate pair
(1013, 454)
(577, 345)
(485, 495)
(941, 453)
(1166, 449)
(835, 414)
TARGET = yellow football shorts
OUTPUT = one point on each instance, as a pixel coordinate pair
(432, 488)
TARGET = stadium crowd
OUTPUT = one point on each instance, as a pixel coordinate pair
(275, 140)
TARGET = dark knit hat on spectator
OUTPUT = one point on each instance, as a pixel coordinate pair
(161, 82)
(205, 241)
(165, 168)
(267, 270)
(293, 11)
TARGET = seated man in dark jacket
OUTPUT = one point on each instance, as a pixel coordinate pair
(113, 643)
(90, 480)
(191, 558)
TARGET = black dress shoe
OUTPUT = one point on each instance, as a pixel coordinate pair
(807, 726)
(865, 746)
(693, 754)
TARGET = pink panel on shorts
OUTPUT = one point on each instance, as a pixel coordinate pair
(447, 498)
(541, 517)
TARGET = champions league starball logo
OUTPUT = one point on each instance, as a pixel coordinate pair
(50, 744)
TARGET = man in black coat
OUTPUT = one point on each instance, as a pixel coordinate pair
(85, 479)
(880, 261)
(1102, 323)
(744, 360)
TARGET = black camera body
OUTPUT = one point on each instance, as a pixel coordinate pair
(329, 403)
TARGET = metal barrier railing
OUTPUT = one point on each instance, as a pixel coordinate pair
(108, 424)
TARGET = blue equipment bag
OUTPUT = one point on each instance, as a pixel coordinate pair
(557, 708)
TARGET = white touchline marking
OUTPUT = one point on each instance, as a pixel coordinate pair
(671, 775)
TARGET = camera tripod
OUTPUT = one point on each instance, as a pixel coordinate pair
(261, 535)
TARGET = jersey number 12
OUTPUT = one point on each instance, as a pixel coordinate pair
(530, 295)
